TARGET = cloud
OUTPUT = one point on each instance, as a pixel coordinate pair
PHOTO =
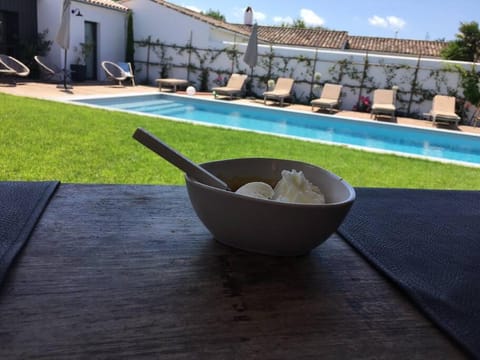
(378, 21)
(282, 20)
(192, 7)
(310, 18)
(391, 22)
(259, 16)
(396, 23)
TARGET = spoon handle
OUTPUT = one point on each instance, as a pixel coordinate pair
(175, 158)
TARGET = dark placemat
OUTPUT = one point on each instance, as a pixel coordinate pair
(427, 242)
(21, 205)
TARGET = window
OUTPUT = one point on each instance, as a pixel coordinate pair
(8, 32)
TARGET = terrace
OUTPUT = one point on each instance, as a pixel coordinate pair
(51, 92)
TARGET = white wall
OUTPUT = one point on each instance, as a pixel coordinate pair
(160, 22)
(111, 34)
(170, 27)
(48, 17)
(111, 31)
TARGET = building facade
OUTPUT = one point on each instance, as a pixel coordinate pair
(99, 24)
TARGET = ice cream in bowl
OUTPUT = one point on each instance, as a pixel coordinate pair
(269, 206)
(273, 206)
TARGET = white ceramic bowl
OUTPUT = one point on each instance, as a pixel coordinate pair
(267, 226)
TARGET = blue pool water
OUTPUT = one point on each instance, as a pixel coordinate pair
(435, 144)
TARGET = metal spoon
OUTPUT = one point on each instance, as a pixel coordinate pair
(175, 158)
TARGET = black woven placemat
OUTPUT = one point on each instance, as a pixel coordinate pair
(428, 243)
(21, 205)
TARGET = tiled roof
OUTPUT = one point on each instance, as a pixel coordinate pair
(329, 39)
(300, 37)
(208, 19)
(396, 46)
(108, 4)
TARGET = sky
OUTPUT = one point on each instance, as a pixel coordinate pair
(406, 19)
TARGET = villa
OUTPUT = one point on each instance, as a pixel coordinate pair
(205, 51)
(103, 23)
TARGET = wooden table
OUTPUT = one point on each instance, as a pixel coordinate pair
(129, 271)
(171, 83)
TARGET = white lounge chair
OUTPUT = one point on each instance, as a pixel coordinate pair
(118, 72)
(476, 117)
(11, 67)
(329, 98)
(50, 71)
(235, 86)
(283, 90)
(127, 68)
(443, 110)
(383, 103)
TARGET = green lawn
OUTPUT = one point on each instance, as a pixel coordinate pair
(44, 140)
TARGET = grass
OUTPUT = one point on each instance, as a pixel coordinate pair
(44, 140)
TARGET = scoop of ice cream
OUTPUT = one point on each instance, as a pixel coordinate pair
(293, 187)
(256, 189)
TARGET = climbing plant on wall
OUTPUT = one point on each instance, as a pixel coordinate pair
(416, 84)
(470, 81)
(309, 64)
(268, 63)
(165, 61)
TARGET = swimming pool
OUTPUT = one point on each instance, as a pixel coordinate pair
(434, 144)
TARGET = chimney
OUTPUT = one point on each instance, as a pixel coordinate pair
(248, 16)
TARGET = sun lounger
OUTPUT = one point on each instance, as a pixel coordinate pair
(383, 103)
(329, 98)
(443, 110)
(234, 87)
(283, 90)
(127, 68)
(476, 118)
(11, 67)
(50, 71)
(118, 72)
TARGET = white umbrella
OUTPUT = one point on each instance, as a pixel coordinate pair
(251, 54)
(63, 36)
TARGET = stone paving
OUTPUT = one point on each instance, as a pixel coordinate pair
(50, 91)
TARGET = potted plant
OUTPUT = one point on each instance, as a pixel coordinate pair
(316, 84)
(79, 69)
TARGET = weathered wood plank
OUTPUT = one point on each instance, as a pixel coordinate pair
(129, 271)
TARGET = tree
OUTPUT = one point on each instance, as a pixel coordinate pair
(130, 46)
(470, 81)
(301, 24)
(466, 47)
(298, 23)
(216, 14)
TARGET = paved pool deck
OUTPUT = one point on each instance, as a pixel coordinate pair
(49, 91)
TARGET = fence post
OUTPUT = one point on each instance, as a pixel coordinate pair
(362, 80)
(413, 89)
(190, 46)
(149, 40)
(234, 57)
(313, 72)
